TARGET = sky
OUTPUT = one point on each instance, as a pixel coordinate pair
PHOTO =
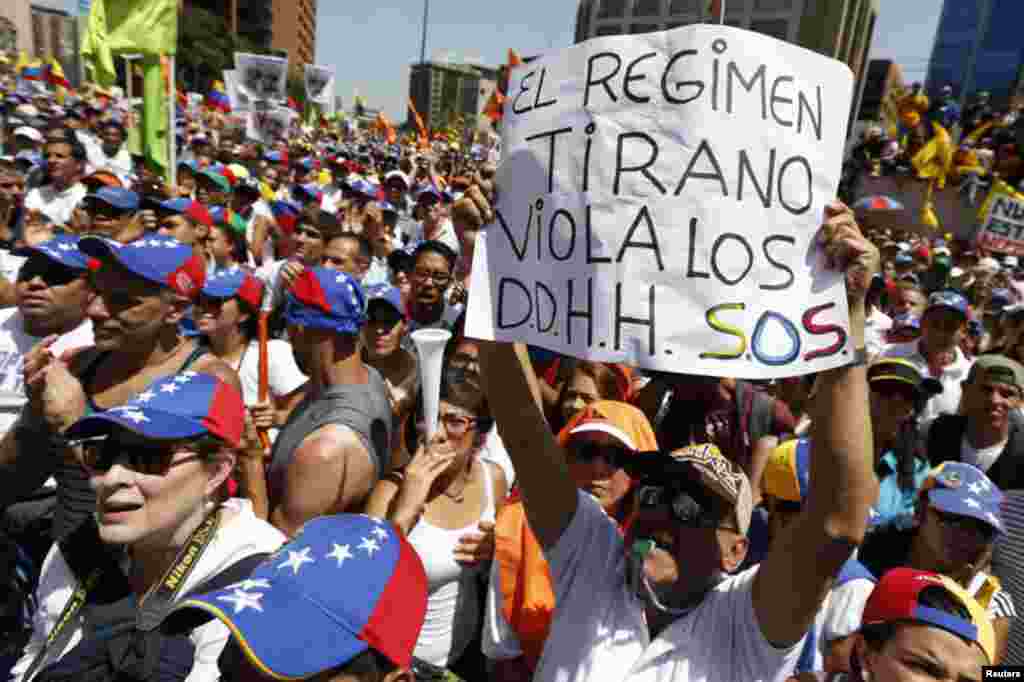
(372, 44)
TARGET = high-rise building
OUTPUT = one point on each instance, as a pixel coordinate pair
(445, 91)
(978, 47)
(15, 26)
(284, 25)
(884, 78)
(841, 29)
(55, 34)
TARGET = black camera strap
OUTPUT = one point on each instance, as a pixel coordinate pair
(154, 604)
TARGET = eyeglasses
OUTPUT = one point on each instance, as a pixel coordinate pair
(99, 455)
(441, 279)
(464, 360)
(687, 510)
(457, 425)
(966, 524)
(614, 455)
(53, 274)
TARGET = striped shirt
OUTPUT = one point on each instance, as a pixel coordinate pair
(1008, 565)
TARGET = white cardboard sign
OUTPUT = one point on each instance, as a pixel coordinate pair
(261, 76)
(239, 100)
(660, 197)
(320, 86)
(269, 126)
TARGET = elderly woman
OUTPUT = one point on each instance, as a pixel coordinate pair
(445, 501)
(157, 465)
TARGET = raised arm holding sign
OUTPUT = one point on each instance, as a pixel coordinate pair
(665, 590)
(659, 198)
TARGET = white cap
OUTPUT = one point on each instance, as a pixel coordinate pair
(597, 426)
(1011, 261)
(956, 272)
(26, 110)
(903, 246)
(29, 132)
(943, 251)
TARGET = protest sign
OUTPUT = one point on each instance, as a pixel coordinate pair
(262, 76)
(239, 100)
(660, 197)
(320, 87)
(1001, 225)
(268, 126)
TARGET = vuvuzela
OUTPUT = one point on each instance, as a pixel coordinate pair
(430, 345)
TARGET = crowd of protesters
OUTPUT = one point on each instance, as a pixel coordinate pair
(185, 500)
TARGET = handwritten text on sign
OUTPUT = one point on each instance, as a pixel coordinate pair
(1002, 227)
(660, 195)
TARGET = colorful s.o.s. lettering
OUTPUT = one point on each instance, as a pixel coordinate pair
(712, 317)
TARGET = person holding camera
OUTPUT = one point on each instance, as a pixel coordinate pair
(660, 603)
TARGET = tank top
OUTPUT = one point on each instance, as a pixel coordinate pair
(453, 602)
(364, 408)
(76, 501)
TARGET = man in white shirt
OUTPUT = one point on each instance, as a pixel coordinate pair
(51, 296)
(937, 353)
(659, 604)
(110, 154)
(434, 222)
(65, 162)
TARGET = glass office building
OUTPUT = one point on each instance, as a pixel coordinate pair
(978, 46)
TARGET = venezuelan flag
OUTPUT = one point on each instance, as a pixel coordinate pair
(55, 75)
(33, 71)
(218, 99)
(286, 214)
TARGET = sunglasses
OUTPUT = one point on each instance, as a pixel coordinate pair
(100, 454)
(589, 452)
(53, 274)
(689, 510)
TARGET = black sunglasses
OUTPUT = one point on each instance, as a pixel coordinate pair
(153, 459)
(688, 508)
(614, 455)
(51, 272)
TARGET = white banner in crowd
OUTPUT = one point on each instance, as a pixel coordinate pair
(320, 86)
(268, 126)
(261, 77)
(239, 101)
(1002, 226)
(660, 197)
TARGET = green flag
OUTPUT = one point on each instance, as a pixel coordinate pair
(146, 27)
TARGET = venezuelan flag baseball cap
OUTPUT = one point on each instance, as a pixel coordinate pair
(181, 406)
(326, 299)
(787, 474)
(896, 598)
(238, 282)
(961, 489)
(161, 260)
(345, 584)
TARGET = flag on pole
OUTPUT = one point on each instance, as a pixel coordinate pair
(148, 28)
(513, 58)
(218, 98)
(55, 75)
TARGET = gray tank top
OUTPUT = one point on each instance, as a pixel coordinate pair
(364, 408)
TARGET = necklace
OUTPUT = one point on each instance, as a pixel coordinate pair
(460, 496)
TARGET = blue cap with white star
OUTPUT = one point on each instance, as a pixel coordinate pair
(961, 489)
(63, 249)
(344, 584)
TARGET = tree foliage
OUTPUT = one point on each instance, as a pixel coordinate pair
(206, 48)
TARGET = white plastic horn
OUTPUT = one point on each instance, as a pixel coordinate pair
(430, 345)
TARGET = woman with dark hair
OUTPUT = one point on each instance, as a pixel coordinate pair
(226, 316)
(586, 383)
(227, 246)
(445, 500)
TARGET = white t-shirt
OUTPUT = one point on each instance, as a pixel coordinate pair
(446, 235)
(10, 265)
(260, 208)
(947, 402)
(983, 458)
(600, 632)
(120, 164)
(241, 536)
(283, 374)
(57, 206)
(876, 326)
(14, 346)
